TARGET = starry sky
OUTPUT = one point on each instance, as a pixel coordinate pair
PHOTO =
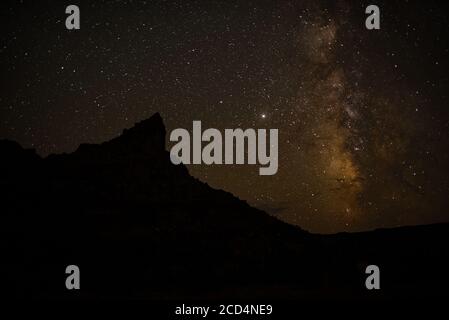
(362, 114)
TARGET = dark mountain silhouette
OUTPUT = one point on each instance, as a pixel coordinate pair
(139, 226)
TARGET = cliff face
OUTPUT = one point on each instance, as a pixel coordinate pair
(125, 212)
(132, 175)
(139, 226)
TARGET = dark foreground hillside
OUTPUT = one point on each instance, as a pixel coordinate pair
(141, 227)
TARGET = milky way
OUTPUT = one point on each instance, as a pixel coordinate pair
(362, 114)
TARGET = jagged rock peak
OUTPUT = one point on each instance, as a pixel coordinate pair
(144, 138)
(149, 131)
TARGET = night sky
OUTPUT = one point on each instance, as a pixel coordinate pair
(363, 115)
